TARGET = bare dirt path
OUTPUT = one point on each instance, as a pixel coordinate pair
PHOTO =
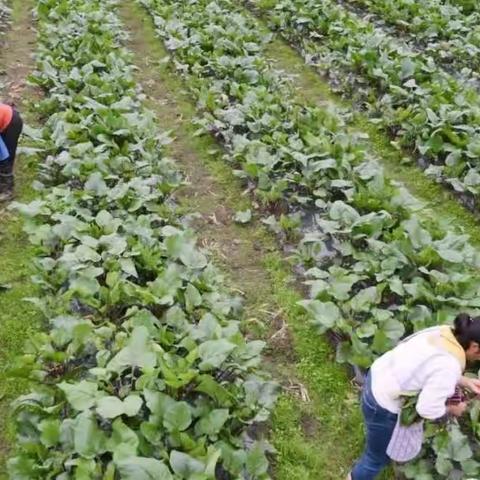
(316, 427)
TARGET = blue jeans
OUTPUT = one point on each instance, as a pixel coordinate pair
(379, 424)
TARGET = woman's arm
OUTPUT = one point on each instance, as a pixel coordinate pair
(441, 379)
(457, 409)
(472, 384)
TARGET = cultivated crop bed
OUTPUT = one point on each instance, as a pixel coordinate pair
(444, 30)
(432, 112)
(142, 371)
(4, 17)
(378, 266)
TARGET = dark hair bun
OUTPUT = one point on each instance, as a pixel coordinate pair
(462, 322)
(467, 329)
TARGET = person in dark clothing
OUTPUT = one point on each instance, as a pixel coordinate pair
(11, 126)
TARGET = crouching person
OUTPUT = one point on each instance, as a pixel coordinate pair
(429, 363)
(11, 126)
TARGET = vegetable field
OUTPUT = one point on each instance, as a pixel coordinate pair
(146, 364)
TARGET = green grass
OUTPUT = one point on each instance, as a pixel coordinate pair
(329, 445)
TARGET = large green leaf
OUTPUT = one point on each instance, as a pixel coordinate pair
(177, 417)
(82, 395)
(89, 441)
(212, 423)
(184, 465)
(139, 468)
(138, 352)
(123, 442)
(111, 407)
(214, 352)
(324, 314)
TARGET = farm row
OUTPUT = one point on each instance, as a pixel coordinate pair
(440, 29)
(142, 371)
(377, 264)
(429, 112)
(4, 17)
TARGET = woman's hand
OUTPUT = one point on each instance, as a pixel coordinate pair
(472, 384)
(457, 409)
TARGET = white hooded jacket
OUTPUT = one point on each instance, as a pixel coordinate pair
(430, 363)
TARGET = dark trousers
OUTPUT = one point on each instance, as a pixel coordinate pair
(10, 136)
(380, 424)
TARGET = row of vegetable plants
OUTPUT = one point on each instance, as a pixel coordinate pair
(440, 29)
(468, 6)
(5, 17)
(376, 267)
(424, 109)
(143, 371)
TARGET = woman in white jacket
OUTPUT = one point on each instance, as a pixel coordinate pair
(430, 363)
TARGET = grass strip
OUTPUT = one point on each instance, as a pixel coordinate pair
(18, 319)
